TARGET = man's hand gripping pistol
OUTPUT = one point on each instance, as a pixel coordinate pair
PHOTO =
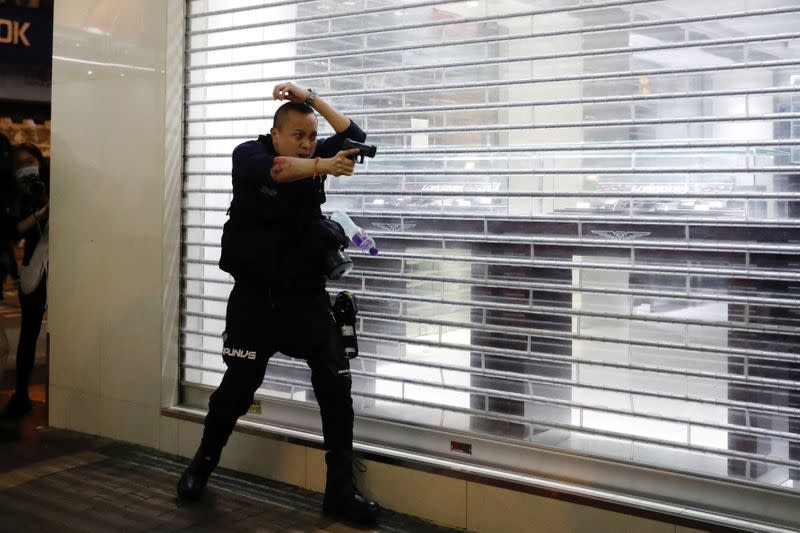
(367, 150)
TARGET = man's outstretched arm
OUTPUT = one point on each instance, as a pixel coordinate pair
(286, 169)
(251, 163)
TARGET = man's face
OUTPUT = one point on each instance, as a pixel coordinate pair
(297, 136)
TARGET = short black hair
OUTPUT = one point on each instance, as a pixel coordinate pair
(31, 149)
(283, 112)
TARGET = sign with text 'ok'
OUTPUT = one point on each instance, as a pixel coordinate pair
(26, 35)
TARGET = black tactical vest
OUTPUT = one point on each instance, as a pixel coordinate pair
(267, 236)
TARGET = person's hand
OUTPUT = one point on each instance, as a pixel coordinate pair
(340, 164)
(290, 91)
(43, 213)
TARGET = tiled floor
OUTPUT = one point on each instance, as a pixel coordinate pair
(61, 481)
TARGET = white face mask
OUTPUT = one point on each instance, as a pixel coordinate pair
(26, 173)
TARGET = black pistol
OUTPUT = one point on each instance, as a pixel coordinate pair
(363, 149)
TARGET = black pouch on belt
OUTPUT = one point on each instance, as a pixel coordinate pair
(345, 310)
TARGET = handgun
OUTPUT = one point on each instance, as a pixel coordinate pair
(363, 149)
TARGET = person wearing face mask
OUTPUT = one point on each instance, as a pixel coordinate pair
(31, 210)
(279, 301)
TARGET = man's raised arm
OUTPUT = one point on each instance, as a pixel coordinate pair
(289, 91)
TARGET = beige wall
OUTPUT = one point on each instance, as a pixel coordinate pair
(114, 255)
(111, 170)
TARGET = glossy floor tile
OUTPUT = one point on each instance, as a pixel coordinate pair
(56, 480)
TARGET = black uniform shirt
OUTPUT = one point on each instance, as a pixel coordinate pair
(8, 227)
(266, 217)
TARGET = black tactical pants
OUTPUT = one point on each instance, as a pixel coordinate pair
(298, 323)
(33, 307)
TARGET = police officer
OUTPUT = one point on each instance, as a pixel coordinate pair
(279, 301)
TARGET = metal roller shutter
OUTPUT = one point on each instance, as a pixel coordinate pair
(587, 212)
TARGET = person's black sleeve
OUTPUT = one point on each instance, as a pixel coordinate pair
(251, 166)
(330, 146)
(8, 228)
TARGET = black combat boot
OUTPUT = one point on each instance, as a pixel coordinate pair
(194, 478)
(342, 498)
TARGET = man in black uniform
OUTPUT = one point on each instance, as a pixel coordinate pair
(279, 301)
